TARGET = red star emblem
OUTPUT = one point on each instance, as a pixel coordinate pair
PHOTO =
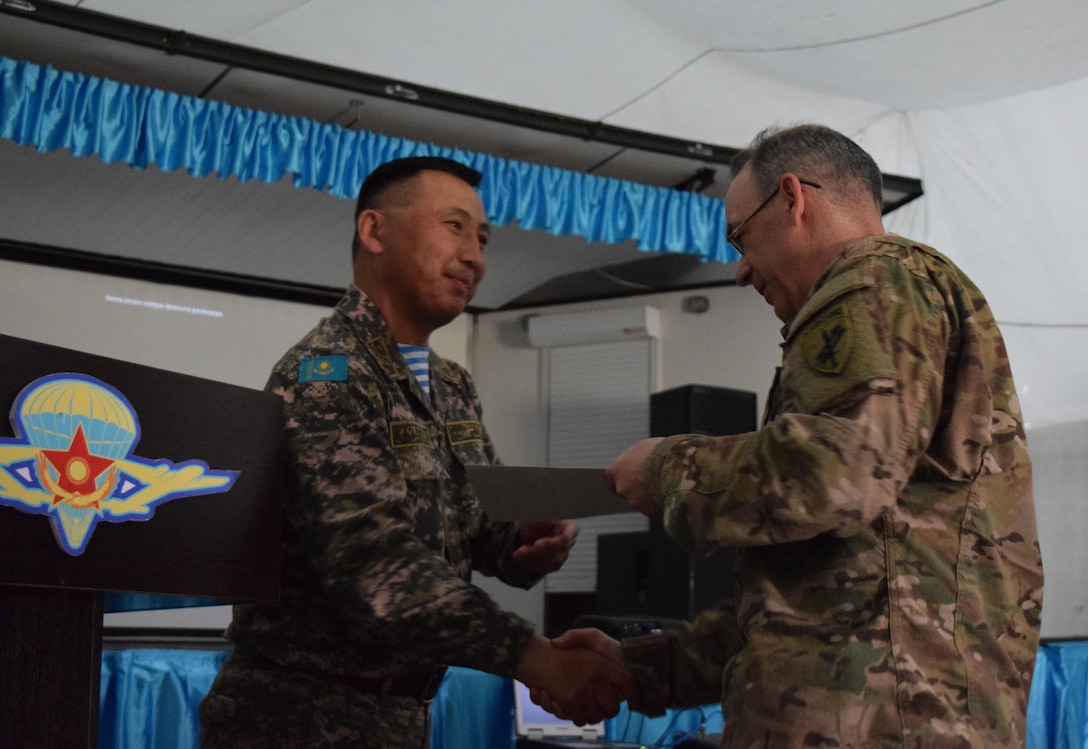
(77, 467)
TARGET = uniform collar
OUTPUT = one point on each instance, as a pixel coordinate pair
(370, 328)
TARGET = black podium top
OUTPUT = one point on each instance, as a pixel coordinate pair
(121, 477)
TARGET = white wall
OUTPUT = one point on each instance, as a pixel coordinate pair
(1061, 494)
(219, 336)
(734, 344)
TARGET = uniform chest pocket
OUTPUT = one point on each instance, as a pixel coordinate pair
(468, 442)
(413, 444)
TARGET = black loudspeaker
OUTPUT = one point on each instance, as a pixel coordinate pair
(647, 574)
(623, 575)
(702, 409)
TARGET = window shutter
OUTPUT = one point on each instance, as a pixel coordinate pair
(598, 406)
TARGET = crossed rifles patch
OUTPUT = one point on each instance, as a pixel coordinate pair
(828, 341)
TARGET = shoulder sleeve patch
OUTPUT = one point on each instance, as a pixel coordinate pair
(829, 341)
(323, 368)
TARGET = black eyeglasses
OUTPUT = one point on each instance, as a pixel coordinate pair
(732, 237)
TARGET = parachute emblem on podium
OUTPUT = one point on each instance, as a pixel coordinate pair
(72, 460)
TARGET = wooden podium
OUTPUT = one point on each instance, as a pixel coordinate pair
(210, 543)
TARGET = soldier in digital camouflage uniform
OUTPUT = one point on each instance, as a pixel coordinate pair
(889, 581)
(381, 528)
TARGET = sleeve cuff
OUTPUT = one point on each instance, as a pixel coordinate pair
(649, 659)
(656, 462)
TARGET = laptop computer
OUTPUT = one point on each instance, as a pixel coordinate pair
(537, 728)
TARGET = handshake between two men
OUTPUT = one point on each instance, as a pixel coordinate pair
(581, 675)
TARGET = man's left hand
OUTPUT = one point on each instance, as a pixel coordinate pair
(545, 545)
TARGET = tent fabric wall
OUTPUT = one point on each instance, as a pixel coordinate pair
(1003, 180)
(1001, 184)
(51, 109)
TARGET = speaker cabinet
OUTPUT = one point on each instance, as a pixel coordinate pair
(647, 574)
(702, 409)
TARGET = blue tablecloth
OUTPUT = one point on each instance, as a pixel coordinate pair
(149, 699)
(1058, 710)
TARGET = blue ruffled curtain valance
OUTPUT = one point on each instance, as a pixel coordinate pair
(51, 109)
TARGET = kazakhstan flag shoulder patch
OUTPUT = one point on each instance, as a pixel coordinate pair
(323, 369)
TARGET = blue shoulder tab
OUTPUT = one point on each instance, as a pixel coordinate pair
(327, 368)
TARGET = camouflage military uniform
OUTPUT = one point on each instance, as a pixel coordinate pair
(382, 532)
(889, 581)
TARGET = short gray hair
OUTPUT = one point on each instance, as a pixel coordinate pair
(812, 152)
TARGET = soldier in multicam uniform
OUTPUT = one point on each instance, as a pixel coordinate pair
(381, 528)
(889, 581)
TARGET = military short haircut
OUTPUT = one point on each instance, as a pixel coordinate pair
(812, 152)
(398, 171)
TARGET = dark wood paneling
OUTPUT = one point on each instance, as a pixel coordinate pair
(50, 662)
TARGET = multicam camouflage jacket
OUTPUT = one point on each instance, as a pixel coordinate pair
(889, 580)
(381, 528)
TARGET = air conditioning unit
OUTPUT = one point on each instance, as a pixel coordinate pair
(595, 326)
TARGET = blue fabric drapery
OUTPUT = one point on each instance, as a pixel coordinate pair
(51, 109)
(1058, 710)
(149, 700)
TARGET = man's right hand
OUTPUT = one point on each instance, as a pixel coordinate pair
(574, 681)
(627, 477)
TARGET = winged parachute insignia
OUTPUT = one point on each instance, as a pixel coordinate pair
(72, 460)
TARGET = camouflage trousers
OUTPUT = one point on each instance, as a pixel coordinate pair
(253, 707)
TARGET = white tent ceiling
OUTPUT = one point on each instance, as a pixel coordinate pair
(622, 61)
(696, 69)
(985, 101)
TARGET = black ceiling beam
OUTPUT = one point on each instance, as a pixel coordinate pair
(191, 45)
(178, 42)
